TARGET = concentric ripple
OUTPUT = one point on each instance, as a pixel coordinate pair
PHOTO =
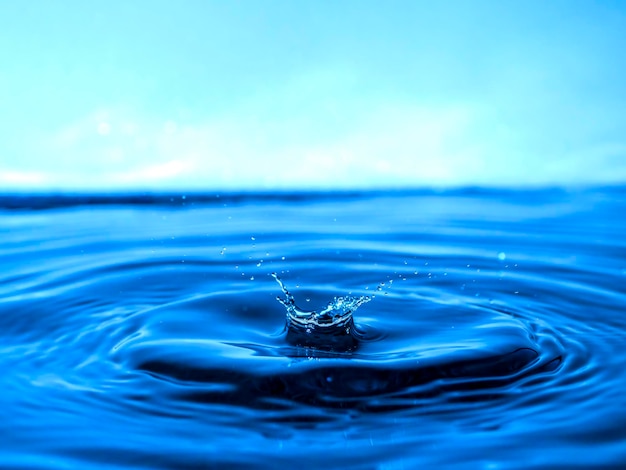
(416, 329)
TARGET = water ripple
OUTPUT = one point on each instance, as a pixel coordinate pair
(152, 333)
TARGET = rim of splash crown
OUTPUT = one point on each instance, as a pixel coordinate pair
(331, 319)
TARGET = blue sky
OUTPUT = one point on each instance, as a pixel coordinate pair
(205, 95)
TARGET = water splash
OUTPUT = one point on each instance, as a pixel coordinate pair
(330, 328)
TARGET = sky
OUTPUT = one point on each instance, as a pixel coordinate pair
(283, 95)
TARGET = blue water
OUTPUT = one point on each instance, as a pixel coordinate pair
(463, 329)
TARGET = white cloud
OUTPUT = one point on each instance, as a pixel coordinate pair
(13, 178)
(312, 133)
(165, 171)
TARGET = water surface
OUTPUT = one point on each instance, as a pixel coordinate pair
(466, 328)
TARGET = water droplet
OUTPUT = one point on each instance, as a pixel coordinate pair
(252, 278)
(283, 258)
(252, 238)
(501, 256)
(258, 265)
